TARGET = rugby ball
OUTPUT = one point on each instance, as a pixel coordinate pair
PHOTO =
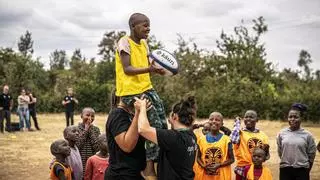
(165, 60)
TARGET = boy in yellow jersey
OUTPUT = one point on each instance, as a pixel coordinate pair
(215, 154)
(133, 79)
(60, 170)
(245, 140)
(257, 171)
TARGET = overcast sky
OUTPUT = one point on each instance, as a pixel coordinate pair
(70, 24)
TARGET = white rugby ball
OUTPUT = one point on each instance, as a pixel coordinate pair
(163, 59)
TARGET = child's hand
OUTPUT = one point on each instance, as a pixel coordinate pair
(87, 125)
(157, 70)
(237, 118)
(212, 168)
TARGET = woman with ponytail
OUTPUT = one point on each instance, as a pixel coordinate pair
(177, 145)
(126, 147)
(296, 147)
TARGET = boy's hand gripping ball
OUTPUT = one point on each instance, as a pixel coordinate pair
(163, 59)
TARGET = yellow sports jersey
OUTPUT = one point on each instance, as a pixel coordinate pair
(67, 172)
(211, 153)
(133, 84)
(248, 141)
(265, 175)
(196, 167)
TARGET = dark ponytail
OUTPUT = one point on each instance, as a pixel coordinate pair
(185, 110)
(114, 100)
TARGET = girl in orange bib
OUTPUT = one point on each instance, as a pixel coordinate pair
(245, 140)
(257, 171)
(215, 154)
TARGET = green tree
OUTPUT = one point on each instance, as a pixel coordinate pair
(304, 61)
(25, 44)
(107, 44)
(58, 60)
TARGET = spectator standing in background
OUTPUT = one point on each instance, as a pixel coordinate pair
(69, 102)
(32, 109)
(23, 110)
(6, 104)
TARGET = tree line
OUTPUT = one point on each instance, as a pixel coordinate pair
(231, 80)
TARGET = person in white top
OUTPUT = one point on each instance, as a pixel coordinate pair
(23, 110)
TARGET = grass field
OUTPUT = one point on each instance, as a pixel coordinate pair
(26, 155)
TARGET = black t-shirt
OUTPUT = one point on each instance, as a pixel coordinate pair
(32, 104)
(70, 106)
(177, 154)
(5, 101)
(120, 162)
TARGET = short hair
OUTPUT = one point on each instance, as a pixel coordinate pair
(133, 17)
(101, 137)
(67, 130)
(252, 111)
(54, 146)
(265, 148)
(90, 109)
(217, 114)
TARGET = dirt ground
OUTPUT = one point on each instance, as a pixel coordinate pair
(26, 155)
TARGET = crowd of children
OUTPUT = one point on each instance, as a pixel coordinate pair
(83, 154)
(137, 136)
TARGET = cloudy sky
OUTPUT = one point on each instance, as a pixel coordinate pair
(70, 24)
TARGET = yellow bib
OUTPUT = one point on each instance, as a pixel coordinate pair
(211, 153)
(133, 84)
(266, 173)
(248, 141)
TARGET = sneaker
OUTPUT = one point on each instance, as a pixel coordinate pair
(30, 129)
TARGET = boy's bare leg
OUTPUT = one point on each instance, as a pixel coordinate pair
(149, 171)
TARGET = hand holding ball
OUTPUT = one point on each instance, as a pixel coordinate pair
(164, 61)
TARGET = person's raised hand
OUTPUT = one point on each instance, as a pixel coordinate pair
(139, 103)
(87, 124)
(237, 118)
